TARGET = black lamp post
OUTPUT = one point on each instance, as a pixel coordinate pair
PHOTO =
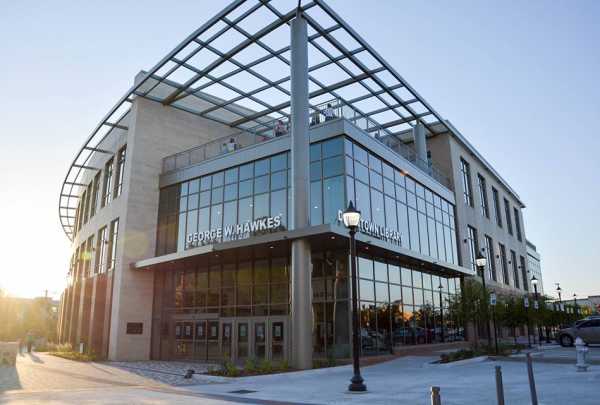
(575, 304)
(351, 218)
(441, 287)
(534, 281)
(481, 262)
(526, 304)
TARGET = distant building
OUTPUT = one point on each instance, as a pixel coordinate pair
(534, 265)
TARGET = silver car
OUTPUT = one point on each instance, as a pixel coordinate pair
(587, 329)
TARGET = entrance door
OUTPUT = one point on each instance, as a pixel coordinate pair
(278, 336)
(200, 345)
(227, 339)
(260, 340)
(213, 350)
(243, 340)
(184, 338)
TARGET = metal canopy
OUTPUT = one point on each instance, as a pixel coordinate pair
(235, 70)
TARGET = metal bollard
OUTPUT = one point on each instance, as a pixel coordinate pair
(499, 386)
(435, 396)
(581, 352)
(534, 400)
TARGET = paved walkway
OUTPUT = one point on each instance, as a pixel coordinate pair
(408, 380)
(44, 379)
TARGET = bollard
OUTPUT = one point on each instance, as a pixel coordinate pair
(435, 396)
(581, 352)
(534, 400)
(189, 373)
(499, 386)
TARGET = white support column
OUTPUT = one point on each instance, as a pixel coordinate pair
(302, 323)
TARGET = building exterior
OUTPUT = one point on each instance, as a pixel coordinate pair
(205, 211)
(534, 266)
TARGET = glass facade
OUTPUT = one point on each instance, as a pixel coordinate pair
(340, 171)
(402, 306)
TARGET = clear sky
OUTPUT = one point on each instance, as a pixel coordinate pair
(519, 79)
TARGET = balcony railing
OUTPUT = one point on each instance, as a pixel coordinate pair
(280, 127)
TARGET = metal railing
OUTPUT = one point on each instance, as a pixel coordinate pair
(271, 129)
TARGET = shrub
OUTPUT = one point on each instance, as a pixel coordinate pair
(76, 356)
(251, 365)
(230, 369)
(266, 367)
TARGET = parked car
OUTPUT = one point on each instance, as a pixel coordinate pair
(587, 329)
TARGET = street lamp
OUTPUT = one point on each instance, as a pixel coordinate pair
(493, 304)
(351, 219)
(575, 303)
(534, 282)
(440, 288)
(559, 290)
(481, 262)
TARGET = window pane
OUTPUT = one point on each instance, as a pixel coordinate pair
(365, 268)
(231, 192)
(261, 184)
(231, 175)
(381, 292)
(363, 201)
(278, 205)
(333, 198)
(316, 209)
(333, 147)
(279, 162)
(245, 210)
(333, 166)
(261, 206)
(381, 271)
(367, 292)
(261, 167)
(247, 171)
(216, 216)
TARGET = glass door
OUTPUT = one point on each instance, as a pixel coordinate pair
(260, 340)
(226, 339)
(213, 352)
(242, 336)
(278, 338)
(200, 346)
(184, 337)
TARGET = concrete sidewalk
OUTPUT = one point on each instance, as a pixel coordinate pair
(408, 381)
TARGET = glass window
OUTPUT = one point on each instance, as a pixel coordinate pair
(246, 171)
(204, 198)
(261, 206)
(261, 184)
(367, 291)
(394, 273)
(204, 219)
(465, 170)
(217, 179)
(231, 175)
(333, 166)
(217, 195)
(204, 183)
(389, 187)
(380, 271)
(414, 229)
(363, 201)
(231, 192)
(407, 296)
(333, 198)
(278, 205)
(261, 167)
(381, 292)
(333, 147)
(246, 188)
(316, 209)
(361, 172)
(403, 224)
(279, 162)
(390, 213)
(395, 293)
(278, 180)
(192, 201)
(315, 170)
(245, 210)
(377, 205)
(417, 279)
(375, 163)
(192, 222)
(361, 155)
(376, 180)
(365, 268)
(216, 216)
(315, 152)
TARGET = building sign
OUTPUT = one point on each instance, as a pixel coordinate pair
(377, 231)
(234, 232)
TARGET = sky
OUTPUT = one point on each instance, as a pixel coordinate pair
(518, 79)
